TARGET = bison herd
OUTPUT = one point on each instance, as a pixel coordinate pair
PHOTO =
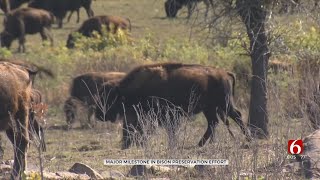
(116, 95)
(39, 16)
(189, 88)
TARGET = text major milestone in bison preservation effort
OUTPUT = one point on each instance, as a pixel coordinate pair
(167, 162)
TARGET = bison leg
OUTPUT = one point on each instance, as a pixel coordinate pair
(70, 110)
(89, 12)
(19, 136)
(225, 120)
(69, 17)
(1, 149)
(60, 21)
(207, 3)
(212, 120)
(91, 111)
(22, 38)
(130, 124)
(45, 34)
(191, 7)
(20, 145)
(78, 15)
(19, 139)
(236, 116)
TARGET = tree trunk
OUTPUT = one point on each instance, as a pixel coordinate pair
(254, 16)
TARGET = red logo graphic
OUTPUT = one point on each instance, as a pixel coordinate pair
(295, 146)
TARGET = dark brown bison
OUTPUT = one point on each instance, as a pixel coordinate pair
(24, 21)
(60, 7)
(173, 85)
(173, 6)
(83, 88)
(15, 96)
(96, 23)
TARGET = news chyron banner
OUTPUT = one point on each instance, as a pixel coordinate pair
(167, 162)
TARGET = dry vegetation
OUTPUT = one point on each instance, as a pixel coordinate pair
(159, 39)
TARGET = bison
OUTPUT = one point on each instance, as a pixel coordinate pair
(84, 87)
(60, 7)
(173, 6)
(96, 23)
(15, 96)
(153, 85)
(24, 21)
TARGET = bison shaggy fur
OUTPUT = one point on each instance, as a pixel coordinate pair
(24, 21)
(15, 97)
(83, 90)
(112, 24)
(171, 84)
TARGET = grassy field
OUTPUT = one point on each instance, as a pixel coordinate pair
(160, 39)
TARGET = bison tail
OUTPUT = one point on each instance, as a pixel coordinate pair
(41, 70)
(233, 81)
(53, 19)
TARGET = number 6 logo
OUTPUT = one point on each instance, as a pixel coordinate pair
(295, 146)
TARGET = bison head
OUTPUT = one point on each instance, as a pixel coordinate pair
(70, 41)
(109, 105)
(6, 39)
(172, 7)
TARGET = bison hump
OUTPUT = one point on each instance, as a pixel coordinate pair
(142, 77)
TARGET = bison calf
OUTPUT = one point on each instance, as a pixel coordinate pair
(155, 87)
(24, 21)
(112, 24)
(82, 91)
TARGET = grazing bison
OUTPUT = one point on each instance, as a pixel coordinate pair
(84, 87)
(15, 96)
(60, 7)
(173, 84)
(24, 21)
(173, 6)
(96, 23)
